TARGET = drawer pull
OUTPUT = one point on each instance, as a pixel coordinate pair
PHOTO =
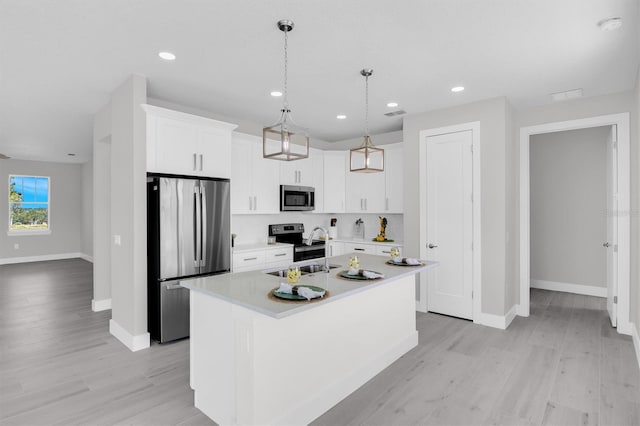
(386, 251)
(280, 254)
(250, 258)
(359, 249)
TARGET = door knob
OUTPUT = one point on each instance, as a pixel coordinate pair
(606, 245)
(431, 246)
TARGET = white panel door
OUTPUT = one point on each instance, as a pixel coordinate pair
(450, 223)
(612, 226)
(265, 177)
(393, 173)
(176, 147)
(241, 175)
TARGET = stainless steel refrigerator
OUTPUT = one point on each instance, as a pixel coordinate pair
(188, 235)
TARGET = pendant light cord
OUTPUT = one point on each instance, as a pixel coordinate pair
(286, 60)
(366, 106)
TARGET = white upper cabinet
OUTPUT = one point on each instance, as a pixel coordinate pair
(185, 144)
(394, 178)
(317, 160)
(254, 180)
(297, 172)
(335, 169)
(365, 192)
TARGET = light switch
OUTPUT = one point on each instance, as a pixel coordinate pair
(117, 240)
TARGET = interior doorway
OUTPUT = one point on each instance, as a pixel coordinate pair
(615, 183)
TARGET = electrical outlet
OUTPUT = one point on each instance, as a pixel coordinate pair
(16, 246)
(117, 240)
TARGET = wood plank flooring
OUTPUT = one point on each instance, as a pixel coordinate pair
(563, 365)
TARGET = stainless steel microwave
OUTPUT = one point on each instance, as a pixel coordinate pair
(297, 198)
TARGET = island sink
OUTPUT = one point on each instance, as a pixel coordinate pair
(304, 270)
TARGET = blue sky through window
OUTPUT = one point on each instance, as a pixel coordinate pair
(33, 189)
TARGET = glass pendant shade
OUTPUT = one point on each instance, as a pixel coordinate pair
(367, 158)
(285, 140)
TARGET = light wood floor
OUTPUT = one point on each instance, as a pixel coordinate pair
(563, 365)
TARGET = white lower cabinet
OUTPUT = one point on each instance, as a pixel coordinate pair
(262, 258)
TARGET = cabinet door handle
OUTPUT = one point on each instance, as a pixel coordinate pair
(250, 258)
(255, 202)
(386, 203)
(358, 249)
(386, 251)
(201, 162)
(361, 204)
(280, 254)
(250, 203)
(365, 204)
(195, 161)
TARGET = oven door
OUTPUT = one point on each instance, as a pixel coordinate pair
(297, 198)
(305, 252)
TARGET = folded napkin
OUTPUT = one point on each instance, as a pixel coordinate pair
(305, 292)
(406, 260)
(370, 275)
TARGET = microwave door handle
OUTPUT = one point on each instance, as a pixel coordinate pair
(203, 226)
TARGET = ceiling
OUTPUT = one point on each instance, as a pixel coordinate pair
(60, 60)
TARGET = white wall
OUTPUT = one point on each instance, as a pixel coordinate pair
(495, 132)
(254, 228)
(87, 209)
(568, 206)
(102, 207)
(635, 208)
(592, 107)
(65, 210)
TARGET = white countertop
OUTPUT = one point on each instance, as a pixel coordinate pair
(259, 246)
(250, 289)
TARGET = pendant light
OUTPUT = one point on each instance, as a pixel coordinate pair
(367, 158)
(285, 140)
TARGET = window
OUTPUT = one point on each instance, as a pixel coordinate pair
(28, 204)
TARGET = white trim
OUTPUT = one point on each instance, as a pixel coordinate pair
(28, 232)
(134, 343)
(100, 305)
(496, 321)
(189, 118)
(27, 259)
(624, 191)
(587, 290)
(477, 210)
(25, 232)
(86, 257)
(636, 341)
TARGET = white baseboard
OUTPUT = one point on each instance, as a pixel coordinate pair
(497, 321)
(636, 341)
(100, 305)
(521, 311)
(27, 259)
(587, 290)
(86, 257)
(134, 343)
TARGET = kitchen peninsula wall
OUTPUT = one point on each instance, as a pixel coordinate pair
(254, 228)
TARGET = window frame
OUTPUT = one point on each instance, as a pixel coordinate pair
(28, 232)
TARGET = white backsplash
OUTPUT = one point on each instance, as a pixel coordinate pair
(251, 229)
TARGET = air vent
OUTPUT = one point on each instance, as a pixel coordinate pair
(564, 96)
(394, 113)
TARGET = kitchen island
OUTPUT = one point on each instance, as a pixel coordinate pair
(256, 360)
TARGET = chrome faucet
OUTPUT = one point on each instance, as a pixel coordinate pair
(326, 244)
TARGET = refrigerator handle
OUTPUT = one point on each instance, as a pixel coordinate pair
(203, 226)
(196, 227)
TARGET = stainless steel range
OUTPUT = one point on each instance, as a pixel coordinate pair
(291, 233)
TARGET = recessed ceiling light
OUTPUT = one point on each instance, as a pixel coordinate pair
(167, 56)
(392, 104)
(457, 89)
(610, 24)
(341, 117)
(276, 94)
